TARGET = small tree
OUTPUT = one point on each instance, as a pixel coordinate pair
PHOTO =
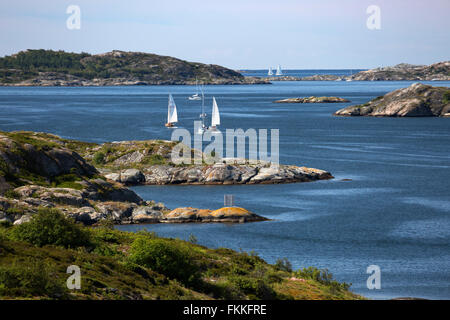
(49, 226)
(164, 257)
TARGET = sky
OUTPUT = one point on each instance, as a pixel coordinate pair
(239, 34)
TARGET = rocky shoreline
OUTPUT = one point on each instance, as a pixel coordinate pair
(435, 72)
(219, 173)
(39, 170)
(52, 79)
(313, 99)
(417, 100)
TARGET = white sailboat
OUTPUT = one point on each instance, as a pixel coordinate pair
(195, 96)
(172, 116)
(270, 72)
(215, 118)
(351, 74)
(279, 72)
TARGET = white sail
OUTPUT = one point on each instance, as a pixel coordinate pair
(172, 115)
(279, 72)
(270, 73)
(215, 118)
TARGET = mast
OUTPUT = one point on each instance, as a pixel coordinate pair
(203, 108)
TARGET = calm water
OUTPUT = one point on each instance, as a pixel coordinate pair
(393, 213)
(302, 73)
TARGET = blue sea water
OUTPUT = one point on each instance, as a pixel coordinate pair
(302, 73)
(394, 213)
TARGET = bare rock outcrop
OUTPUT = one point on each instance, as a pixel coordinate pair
(226, 214)
(313, 99)
(417, 100)
(222, 173)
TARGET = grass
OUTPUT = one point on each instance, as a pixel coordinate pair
(123, 265)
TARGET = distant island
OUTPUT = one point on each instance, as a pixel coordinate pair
(418, 100)
(313, 99)
(59, 68)
(435, 72)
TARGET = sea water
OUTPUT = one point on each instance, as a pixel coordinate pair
(388, 205)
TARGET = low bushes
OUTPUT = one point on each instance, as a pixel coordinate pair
(29, 278)
(322, 276)
(50, 227)
(164, 257)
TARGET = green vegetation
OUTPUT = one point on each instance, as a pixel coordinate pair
(50, 227)
(143, 66)
(99, 158)
(164, 257)
(29, 277)
(34, 257)
(321, 276)
(446, 97)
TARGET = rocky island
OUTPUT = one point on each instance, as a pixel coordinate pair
(313, 99)
(86, 181)
(115, 68)
(418, 100)
(435, 72)
(42, 171)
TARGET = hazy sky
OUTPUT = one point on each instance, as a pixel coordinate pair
(238, 33)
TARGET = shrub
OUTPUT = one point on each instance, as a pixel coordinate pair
(446, 97)
(67, 181)
(30, 277)
(164, 257)
(255, 288)
(99, 158)
(283, 265)
(49, 226)
(322, 276)
(10, 193)
(193, 239)
(154, 159)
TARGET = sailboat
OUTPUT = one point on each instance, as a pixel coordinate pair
(279, 72)
(215, 118)
(203, 114)
(195, 96)
(270, 72)
(172, 116)
(351, 74)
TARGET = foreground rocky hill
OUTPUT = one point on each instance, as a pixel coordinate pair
(418, 100)
(59, 68)
(116, 265)
(437, 71)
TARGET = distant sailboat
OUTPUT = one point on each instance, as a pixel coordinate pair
(279, 72)
(270, 72)
(351, 74)
(195, 96)
(215, 118)
(172, 116)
